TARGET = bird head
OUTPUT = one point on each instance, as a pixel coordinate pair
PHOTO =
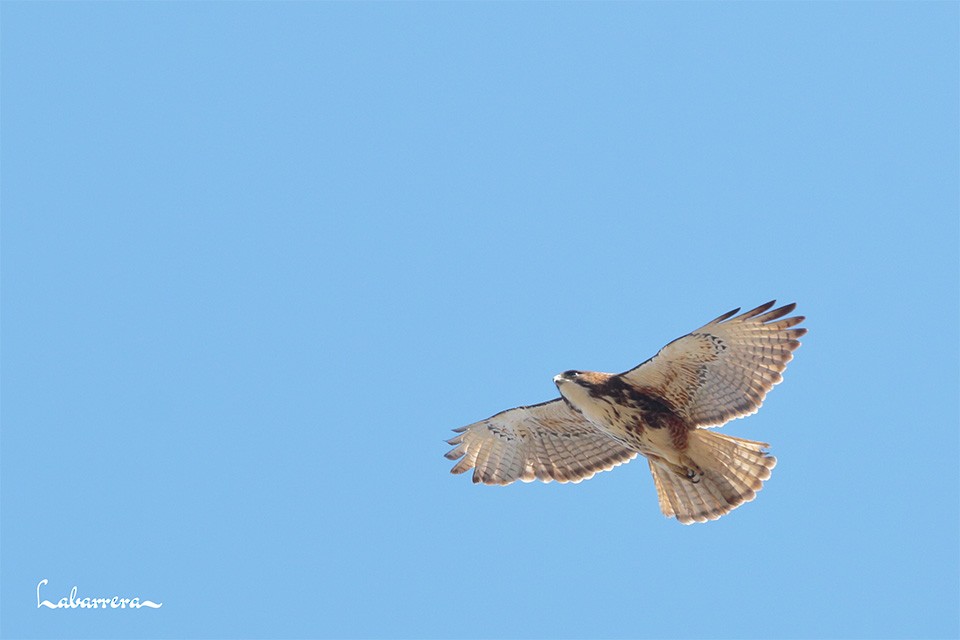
(578, 386)
(567, 376)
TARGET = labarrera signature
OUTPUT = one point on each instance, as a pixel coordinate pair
(73, 602)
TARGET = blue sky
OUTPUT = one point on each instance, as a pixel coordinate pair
(258, 259)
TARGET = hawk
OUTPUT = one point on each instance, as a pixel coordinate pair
(660, 410)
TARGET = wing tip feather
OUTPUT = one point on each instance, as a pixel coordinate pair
(755, 312)
(726, 316)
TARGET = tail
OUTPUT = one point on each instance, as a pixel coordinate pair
(733, 470)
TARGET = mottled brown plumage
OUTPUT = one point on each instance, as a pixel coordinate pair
(658, 409)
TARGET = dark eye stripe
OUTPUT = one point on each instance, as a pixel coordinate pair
(572, 373)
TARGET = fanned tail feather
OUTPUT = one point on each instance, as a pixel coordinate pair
(733, 469)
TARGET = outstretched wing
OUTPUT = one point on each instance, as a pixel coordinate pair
(548, 441)
(724, 369)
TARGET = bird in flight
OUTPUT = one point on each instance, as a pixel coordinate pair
(660, 410)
